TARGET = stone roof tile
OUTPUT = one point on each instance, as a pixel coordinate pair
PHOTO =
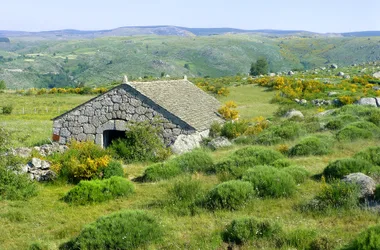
(182, 99)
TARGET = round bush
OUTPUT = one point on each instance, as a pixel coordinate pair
(233, 129)
(299, 174)
(87, 192)
(352, 133)
(121, 230)
(15, 186)
(270, 182)
(229, 195)
(342, 167)
(194, 161)
(281, 163)
(161, 171)
(338, 195)
(367, 240)
(289, 130)
(371, 155)
(242, 230)
(312, 145)
(334, 124)
(114, 168)
(185, 190)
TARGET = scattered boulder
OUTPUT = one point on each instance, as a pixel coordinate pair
(332, 93)
(320, 102)
(323, 68)
(333, 66)
(366, 184)
(219, 142)
(340, 74)
(347, 77)
(293, 113)
(367, 101)
(376, 88)
(272, 74)
(186, 143)
(290, 73)
(39, 170)
(376, 75)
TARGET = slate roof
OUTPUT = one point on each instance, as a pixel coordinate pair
(183, 99)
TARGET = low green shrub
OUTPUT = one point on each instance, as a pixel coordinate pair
(338, 195)
(356, 110)
(229, 195)
(184, 196)
(7, 110)
(215, 129)
(371, 154)
(288, 130)
(233, 129)
(128, 229)
(262, 155)
(238, 162)
(299, 174)
(300, 238)
(367, 240)
(15, 186)
(270, 182)
(339, 168)
(194, 161)
(114, 168)
(87, 192)
(351, 133)
(240, 231)
(281, 163)
(161, 171)
(335, 124)
(374, 117)
(313, 145)
(141, 143)
(186, 190)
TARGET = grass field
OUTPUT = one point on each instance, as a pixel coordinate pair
(48, 221)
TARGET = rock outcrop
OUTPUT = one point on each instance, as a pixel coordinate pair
(365, 183)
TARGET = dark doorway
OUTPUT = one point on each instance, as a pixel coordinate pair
(110, 135)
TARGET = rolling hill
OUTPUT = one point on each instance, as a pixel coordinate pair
(49, 59)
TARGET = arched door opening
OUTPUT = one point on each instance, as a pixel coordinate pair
(111, 135)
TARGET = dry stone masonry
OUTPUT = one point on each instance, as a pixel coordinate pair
(172, 112)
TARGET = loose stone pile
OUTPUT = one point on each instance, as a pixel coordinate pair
(39, 170)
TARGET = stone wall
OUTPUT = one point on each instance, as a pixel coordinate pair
(112, 111)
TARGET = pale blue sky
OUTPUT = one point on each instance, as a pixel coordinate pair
(311, 15)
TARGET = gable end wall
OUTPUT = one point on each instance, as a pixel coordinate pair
(112, 111)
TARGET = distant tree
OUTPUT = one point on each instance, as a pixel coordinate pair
(66, 60)
(260, 67)
(2, 85)
(186, 66)
(162, 74)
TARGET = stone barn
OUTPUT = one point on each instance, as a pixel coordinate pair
(182, 110)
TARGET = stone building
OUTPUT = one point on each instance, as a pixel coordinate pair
(183, 111)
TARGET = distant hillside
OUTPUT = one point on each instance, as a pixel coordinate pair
(27, 62)
(167, 30)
